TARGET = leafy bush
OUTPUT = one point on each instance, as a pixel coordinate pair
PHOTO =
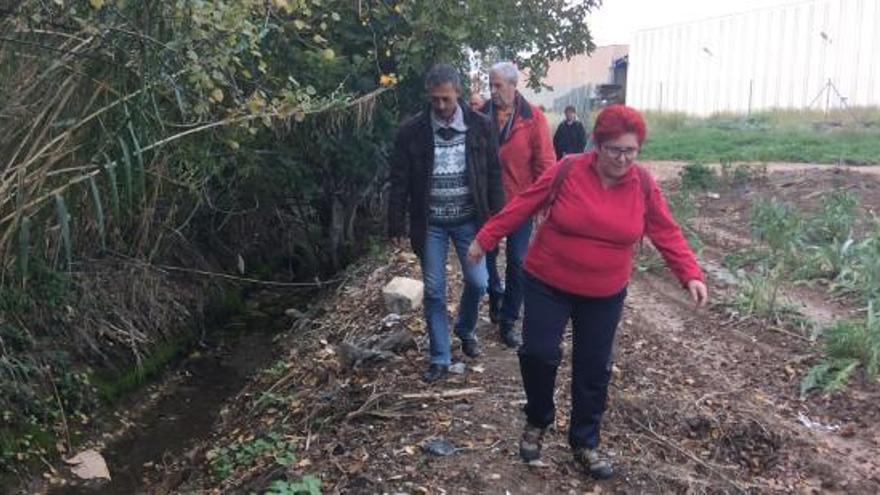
(779, 225)
(239, 454)
(696, 176)
(759, 295)
(849, 345)
(826, 261)
(861, 275)
(307, 485)
(835, 218)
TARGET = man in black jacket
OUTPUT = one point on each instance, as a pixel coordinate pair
(570, 136)
(445, 174)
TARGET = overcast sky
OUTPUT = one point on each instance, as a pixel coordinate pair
(617, 20)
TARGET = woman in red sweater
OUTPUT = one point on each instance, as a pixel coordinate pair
(599, 205)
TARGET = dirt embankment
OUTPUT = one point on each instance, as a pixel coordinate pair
(702, 401)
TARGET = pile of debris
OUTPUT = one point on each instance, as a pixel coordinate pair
(352, 357)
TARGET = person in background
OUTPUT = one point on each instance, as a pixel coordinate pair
(476, 102)
(599, 205)
(570, 136)
(526, 151)
(445, 173)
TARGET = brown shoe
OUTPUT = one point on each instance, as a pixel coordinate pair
(593, 463)
(531, 442)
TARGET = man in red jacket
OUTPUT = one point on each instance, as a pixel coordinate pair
(526, 150)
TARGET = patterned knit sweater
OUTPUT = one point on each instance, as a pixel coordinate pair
(450, 201)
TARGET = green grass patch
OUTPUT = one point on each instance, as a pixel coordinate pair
(112, 387)
(768, 137)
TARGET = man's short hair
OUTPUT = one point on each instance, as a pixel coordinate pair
(443, 74)
(506, 70)
(570, 108)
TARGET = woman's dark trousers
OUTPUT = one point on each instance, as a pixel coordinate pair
(594, 321)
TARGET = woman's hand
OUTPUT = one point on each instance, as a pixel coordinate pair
(699, 293)
(475, 253)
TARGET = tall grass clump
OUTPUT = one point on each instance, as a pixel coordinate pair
(850, 345)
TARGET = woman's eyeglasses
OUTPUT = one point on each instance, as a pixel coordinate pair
(616, 152)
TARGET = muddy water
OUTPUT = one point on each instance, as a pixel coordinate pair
(189, 406)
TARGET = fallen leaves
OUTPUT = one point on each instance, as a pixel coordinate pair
(463, 432)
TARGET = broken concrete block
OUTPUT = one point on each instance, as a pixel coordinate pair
(403, 295)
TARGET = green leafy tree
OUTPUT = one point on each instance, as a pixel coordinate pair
(193, 132)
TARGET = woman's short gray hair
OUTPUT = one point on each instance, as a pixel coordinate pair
(443, 74)
(507, 70)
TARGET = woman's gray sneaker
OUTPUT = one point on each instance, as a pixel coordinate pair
(530, 443)
(594, 463)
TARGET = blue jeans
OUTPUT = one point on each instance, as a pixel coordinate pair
(594, 321)
(509, 293)
(434, 274)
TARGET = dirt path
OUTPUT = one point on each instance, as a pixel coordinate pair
(701, 401)
(696, 404)
(665, 170)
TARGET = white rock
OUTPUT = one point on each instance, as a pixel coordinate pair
(294, 314)
(403, 295)
(458, 368)
(89, 465)
(391, 320)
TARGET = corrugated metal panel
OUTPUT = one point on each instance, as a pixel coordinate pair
(772, 58)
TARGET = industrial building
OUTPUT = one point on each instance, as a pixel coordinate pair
(582, 80)
(818, 54)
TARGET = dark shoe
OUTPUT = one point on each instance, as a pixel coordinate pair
(471, 348)
(495, 307)
(435, 372)
(531, 442)
(511, 338)
(493, 315)
(594, 463)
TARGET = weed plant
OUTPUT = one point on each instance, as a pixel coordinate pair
(226, 460)
(835, 219)
(760, 295)
(779, 226)
(698, 177)
(307, 485)
(849, 345)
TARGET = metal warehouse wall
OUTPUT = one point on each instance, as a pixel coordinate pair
(780, 57)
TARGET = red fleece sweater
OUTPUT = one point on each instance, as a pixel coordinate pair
(527, 154)
(586, 244)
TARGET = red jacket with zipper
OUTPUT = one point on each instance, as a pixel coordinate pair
(528, 152)
(587, 242)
